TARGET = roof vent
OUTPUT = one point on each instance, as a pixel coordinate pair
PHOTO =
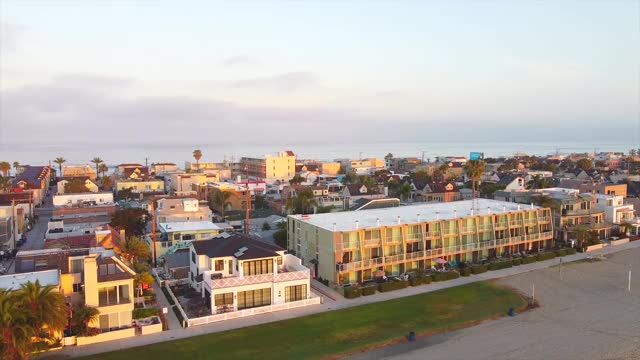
(378, 222)
(398, 219)
(418, 217)
(357, 224)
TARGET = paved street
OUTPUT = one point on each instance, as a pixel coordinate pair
(327, 306)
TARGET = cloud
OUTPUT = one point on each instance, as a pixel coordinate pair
(10, 35)
(287, 82)
(239, 60)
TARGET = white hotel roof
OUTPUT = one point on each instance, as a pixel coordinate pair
(412, 214)
(46, 277)
(188, 226)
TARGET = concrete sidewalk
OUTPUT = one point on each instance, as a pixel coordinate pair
(172, 320)
(340, 303)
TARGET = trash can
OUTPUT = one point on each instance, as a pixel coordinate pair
(412, 336)
(511, 312)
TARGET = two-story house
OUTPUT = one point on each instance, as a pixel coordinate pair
(236, 271)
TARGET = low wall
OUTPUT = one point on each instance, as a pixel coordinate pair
(151, 329)
(619, 242)
(108, 336)
(594, 247)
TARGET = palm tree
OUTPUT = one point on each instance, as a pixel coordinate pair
(405, 191)
(60, 161)
(303, 202)
(97, 161)
(220, 199)
(81, 317)
(474, 170)
(45, 304)
(16, 165)
(197, 154)
(15, 326)
(133, 248)
(5, 183)
(103, 169)
(106, 182)
(444, 170)
(4, 168)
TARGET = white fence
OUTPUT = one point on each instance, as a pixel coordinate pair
(175, 300)
(254, 311)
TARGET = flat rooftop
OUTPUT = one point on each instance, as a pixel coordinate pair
(412, 214)
(188, 226)
(46, 277)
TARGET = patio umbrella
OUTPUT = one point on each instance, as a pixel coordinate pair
(379, 273)
(440, 261)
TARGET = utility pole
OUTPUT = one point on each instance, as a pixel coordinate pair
(248, 204)
(629, 282)
(153, 232)
(15, 222)
(422, 158)
(146, 162)
(533, 294)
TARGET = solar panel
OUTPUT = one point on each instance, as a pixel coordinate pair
(243, 249)
(238, 254)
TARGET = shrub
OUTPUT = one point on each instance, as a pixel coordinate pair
(466, 271)
(516, 261)
(266, 226)
(178, 315)
(478, 269)
(393, 285)
(325, 282)
(368, 290)
(529, 259)
(571, 251)
(443, 276)
(500, 265)
(546, 256)
(351, 292)
(143, 313)
(166, 294)
(419, 280)
(561, 252)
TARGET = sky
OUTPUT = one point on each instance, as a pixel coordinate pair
(122, 72)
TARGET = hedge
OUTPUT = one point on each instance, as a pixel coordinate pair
(393, 285)
(571, 251)
(449, 275)
(368, 290)
(143, 313)
(546, 256)
(351, 292)
(516, 261)
(479, 269)
(466, 271)
(166, 294)
(178, 315)
(529, 259)
(561, 252)
(419, 280)
(500, 265)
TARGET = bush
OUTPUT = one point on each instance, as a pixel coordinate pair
(266, 226)
(546, 256)
(529, 259)
(351, 292)
(516, 261)
(466, 271)
(561, 252)
(500, 265)
(443, 276)
(392, 285)
(479, 269)
(571, 251)
(368, 290)
(143, 313)
(166, 294)
(178, 315)
(419, 280)
(325, 282)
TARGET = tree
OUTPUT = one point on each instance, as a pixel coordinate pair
(405, 191)
(125, 194)
(197, 154)
(46, 305)
(585, 164)
(266, 226)
(546, 201)
(81, 317)
(60, 161)
(539, 182)
(15, 327)
(133, 249)
(16, 166)
(280, 238)
(4, 168)
(5, 183)
(302, 203)
(106, 182)
(368, 181)
(75, 186)
(297, 179)
(133, 220)
(103, 169)
(444, 171)
(260, 201)
(220, 199)
(474, 170)
(389, 156)
(420, 175)
(97, 161)
(350, 178)
(143, 279)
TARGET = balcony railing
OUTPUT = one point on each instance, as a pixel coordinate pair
(573, 212)
(544, 219)
(233, 281)
(530, 221)
(468, 229)
(349, 245)
(394, 258)
(414, 238)
(414, 255)
(393, 240)
(372, 262)
(111, 302)
(515, 223)
(373, 242)
(502, 224)
(449, 232)
(485, 227)
(432, 234)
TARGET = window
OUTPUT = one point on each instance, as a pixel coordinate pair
(77, 288)
(257, 267)
(230, 267)
(123, 293)
(223, 299)
(295, 293)
(41, 263)
(107, 296)
(188, 237)
(193, 257)
(219, 265)
(176, 236)
(254, 298)
(280, 258)
(76, 266)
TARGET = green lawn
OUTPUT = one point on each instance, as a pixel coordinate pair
(340, 331)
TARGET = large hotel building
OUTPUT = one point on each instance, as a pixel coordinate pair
(349, 247)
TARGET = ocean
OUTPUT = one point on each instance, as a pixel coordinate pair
(39, 154)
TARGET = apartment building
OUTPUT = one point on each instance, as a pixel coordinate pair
(178, 210)
(362, 166)
(178, 235)
(182, 183)
(88, 184)
(80, 199)
(81, 171)
(33, 180)
(146, 186)
(237, 271)
(158, 169)
(616, 212)
(349, 247)
(280, 167)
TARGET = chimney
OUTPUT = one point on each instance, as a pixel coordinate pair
(357, 224)
(335, 227)
(398, 219)
(437, 215)
(504, 209)
(518, 206)
(455, 214)
(418, 217)
(488, 210)
(378, 222)
(532, 205)
(471, 211)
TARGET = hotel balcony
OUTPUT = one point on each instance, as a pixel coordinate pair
(413, 238)
(577, 212)
(392, 240)
(467, 229)
(432, 234)
(372, 242)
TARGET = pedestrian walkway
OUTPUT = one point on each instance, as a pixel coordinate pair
(341, 303)
(172, 320)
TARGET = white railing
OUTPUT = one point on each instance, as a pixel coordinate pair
(255, 279)
(485, 227)
(373, 242)
(175, 300)
(392, 240)
(413, 238)
(502, 224)
(394, 258)
(449, 232)
(414, 255)
(544, 219)
(314, 300)
(372, 262)
(515, 223)
(432, 234)
(468, 229)
(350, 266)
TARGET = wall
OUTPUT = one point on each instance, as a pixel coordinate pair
(154, 186)
(330, 168)
(74, 199)
(151, 329)
(108, 336)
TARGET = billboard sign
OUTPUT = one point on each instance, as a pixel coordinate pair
(475, 155)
